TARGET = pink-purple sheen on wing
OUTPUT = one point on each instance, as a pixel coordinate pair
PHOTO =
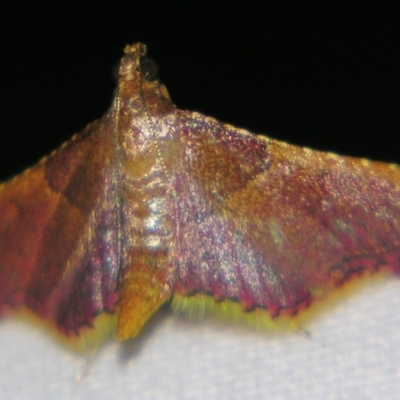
(151, 204)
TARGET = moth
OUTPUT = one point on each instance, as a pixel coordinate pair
(151, 204)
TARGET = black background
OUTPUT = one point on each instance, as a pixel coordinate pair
(322, 74)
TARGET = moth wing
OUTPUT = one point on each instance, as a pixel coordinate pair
(58, 253)
(267, 226)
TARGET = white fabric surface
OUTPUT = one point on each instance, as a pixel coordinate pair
(352, 352)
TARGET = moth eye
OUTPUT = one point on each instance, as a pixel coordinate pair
(115, 71)
(149, 68)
